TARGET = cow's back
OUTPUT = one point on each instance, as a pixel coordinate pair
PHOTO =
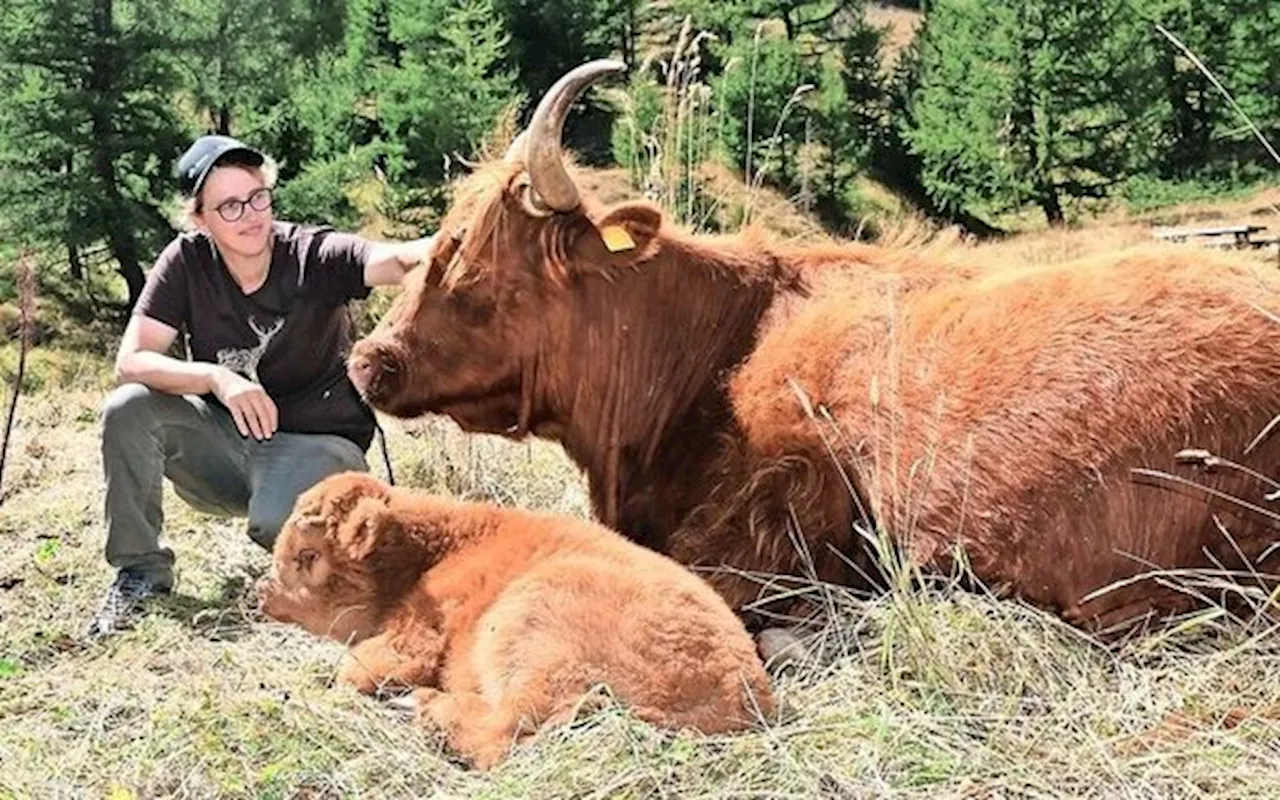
(1007, 408)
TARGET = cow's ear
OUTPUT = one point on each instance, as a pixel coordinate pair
(365, 528)
(625, 234)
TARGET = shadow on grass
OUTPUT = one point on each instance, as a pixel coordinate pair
(226, 617)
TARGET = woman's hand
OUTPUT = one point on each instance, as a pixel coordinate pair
(251, 407)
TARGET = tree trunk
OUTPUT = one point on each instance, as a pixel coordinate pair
(629, 36)
(115, 207)
(1051, 204)
(73, 258)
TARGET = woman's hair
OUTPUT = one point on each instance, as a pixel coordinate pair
(193, 206)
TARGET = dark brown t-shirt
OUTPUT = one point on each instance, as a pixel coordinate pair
(291, 336)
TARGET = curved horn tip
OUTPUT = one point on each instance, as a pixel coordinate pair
(601, 65)
(542, 157)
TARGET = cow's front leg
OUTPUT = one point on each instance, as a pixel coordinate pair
(390, 662)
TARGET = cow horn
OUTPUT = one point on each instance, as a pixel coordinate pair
(539, 144)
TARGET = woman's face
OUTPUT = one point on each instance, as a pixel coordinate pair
(236, 209)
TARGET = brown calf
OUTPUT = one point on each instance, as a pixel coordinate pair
(507, 618)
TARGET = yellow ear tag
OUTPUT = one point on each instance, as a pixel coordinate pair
(616, 238)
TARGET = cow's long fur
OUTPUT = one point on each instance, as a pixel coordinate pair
(726, 394)
(504, 620)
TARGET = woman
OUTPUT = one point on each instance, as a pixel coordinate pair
(261, 407)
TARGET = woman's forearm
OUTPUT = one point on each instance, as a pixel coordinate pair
(167, 374)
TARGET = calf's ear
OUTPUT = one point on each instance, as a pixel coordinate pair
(365, 528)
(623, 235)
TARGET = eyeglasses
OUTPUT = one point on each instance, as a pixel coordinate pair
(232, 208)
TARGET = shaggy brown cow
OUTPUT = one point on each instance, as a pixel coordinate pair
(507, 618)
(736, 402)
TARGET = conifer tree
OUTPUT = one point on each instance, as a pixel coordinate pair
(1038, 101)
(88, 129)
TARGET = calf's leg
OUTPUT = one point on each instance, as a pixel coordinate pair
(386, 662)
(472, 728)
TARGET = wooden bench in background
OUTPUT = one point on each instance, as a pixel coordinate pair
(1221, 236)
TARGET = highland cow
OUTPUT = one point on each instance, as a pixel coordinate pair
(755, 408)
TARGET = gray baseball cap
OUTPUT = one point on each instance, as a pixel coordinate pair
(205, 152)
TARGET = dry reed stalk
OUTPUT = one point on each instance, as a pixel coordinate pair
(26, 331)
(1218, 85)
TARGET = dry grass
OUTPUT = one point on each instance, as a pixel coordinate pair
(1120, 228)
(1262, 207)
(899, 25)
(770, 209)
(922, 694)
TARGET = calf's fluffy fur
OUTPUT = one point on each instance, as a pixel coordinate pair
(504, 619)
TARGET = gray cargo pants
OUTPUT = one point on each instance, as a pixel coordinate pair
(149, 435)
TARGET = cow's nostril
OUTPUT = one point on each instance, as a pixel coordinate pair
(361, 371)
(373, 371)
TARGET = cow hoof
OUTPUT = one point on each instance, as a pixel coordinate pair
(780, 648)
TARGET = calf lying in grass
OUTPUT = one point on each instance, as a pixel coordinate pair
(504, 619)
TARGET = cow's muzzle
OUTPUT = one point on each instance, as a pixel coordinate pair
(270, 597)
(376, 370)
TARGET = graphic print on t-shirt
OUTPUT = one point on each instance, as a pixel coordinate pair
(245, 360)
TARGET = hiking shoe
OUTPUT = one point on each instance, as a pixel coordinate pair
(124, 597)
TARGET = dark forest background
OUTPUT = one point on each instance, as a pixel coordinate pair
(992, 114)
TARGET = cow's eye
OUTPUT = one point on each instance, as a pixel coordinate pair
(472, 308)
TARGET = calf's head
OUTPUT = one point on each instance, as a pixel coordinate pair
(468, 331)
(341, 560)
